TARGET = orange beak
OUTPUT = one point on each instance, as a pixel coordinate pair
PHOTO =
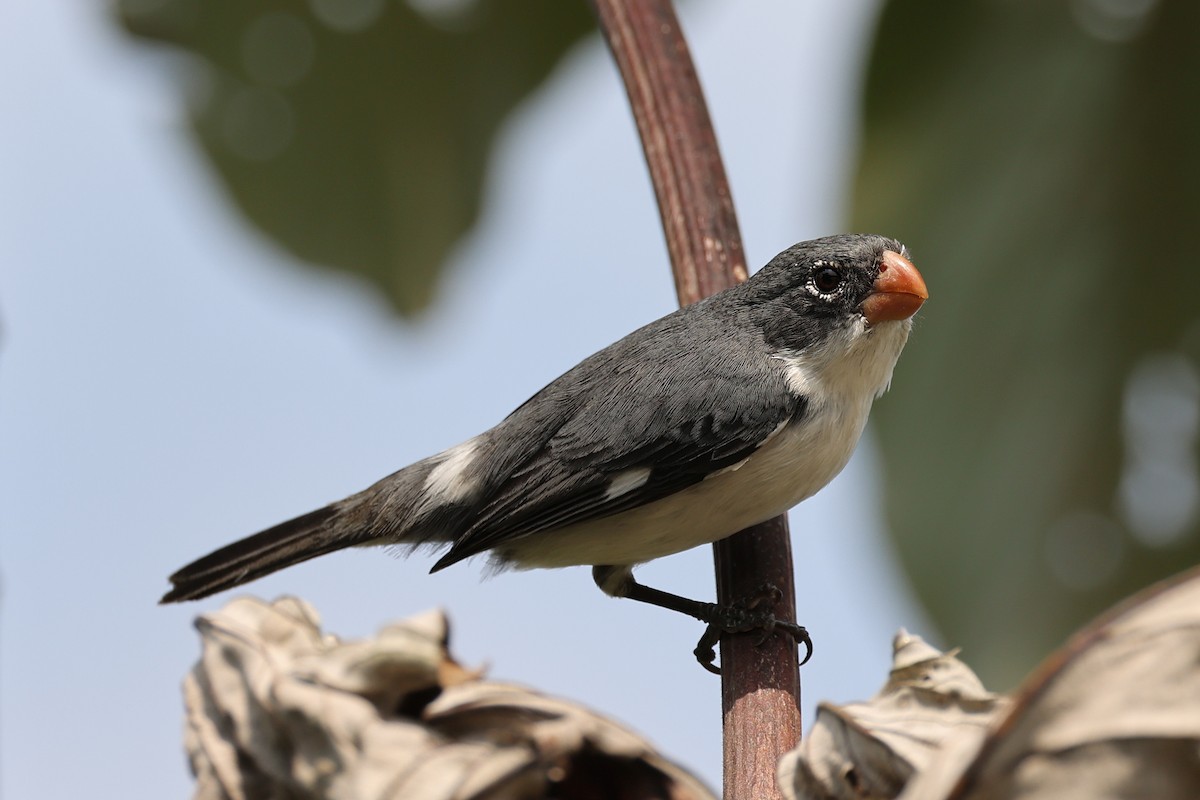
(898, 291)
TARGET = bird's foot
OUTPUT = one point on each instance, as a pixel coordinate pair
(750, 614)
(743, 616)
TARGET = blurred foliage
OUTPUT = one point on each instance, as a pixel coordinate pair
(355, 133)
(1042, 162)
(1040, 159)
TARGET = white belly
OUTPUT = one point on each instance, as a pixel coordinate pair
(793, 465)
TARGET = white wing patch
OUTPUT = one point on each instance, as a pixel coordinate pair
(735, 467)
(626, 481)
(448, 482)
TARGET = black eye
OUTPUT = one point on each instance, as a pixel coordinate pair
(827, 279)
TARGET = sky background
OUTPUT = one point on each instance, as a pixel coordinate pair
(170, 381)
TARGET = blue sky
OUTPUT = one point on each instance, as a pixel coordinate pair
(169, 381)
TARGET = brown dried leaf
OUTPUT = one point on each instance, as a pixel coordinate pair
(872, 749)
(276, 709)
(1115, 713)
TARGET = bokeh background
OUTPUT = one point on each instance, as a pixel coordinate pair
(255, 255)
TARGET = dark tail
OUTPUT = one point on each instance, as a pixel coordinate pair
(308, 536)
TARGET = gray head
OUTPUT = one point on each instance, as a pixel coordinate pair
(837, 285)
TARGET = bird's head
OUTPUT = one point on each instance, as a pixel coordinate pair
(816, 287)
(840, 298)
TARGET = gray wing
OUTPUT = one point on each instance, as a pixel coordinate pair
(681, 421)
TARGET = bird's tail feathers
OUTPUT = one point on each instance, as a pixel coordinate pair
(396, 510)
(307, 536)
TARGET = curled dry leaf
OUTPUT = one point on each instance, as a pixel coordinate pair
(277, 709)
(1114, 714)
(872, 749)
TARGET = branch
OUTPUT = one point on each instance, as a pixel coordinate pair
(760, 686)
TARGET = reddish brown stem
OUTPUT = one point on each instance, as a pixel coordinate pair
(760, 686)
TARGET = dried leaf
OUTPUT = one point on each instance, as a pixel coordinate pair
(1115, 713)
(872, 749)
(276, 709)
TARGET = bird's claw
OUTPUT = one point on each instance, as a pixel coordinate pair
(744, 616)
(706, 648)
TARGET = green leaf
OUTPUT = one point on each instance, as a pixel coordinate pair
(355, 133)
(1041, 161)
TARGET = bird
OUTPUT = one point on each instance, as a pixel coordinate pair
(718, 416)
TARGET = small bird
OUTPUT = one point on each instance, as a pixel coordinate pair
(716, 417)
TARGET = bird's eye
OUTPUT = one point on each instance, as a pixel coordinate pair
(827, 279)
